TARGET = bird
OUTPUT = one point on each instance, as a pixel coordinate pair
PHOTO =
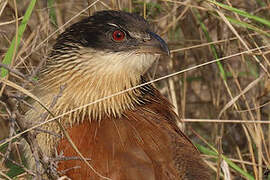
(131, 135)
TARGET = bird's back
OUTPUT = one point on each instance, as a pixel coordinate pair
(142, 144)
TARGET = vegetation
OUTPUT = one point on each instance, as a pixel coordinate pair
(217, 75)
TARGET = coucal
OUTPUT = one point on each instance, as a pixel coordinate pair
(133, 135)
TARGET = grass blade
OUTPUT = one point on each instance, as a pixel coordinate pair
(242, 13)
(207, 151)
(8, 57)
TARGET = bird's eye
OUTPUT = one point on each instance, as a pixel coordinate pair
(118, 35)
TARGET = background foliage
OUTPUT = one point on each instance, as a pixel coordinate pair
(220, 49)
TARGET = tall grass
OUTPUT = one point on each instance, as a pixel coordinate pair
(236, 90)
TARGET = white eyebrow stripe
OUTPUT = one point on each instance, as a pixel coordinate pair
(132, 34)
(111, 24)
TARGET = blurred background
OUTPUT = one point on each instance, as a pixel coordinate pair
(220, 50)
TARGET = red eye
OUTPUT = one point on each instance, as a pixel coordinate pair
(118, 35)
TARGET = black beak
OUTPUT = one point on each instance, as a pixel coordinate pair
(159, 43)
(155, 45)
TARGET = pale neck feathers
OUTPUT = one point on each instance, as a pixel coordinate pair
(89, 76)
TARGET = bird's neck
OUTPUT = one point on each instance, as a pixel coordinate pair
(89, 93)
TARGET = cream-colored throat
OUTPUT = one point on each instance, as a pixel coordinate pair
(90, 76)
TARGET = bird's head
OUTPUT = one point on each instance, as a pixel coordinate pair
(99, 56)
(113, 39)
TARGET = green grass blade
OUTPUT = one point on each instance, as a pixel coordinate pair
(213, 48)
(246, 25)
(207, 151)
(242, 13)
(12, 49)
(52, 13)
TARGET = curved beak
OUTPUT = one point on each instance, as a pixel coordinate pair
(155, 45)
